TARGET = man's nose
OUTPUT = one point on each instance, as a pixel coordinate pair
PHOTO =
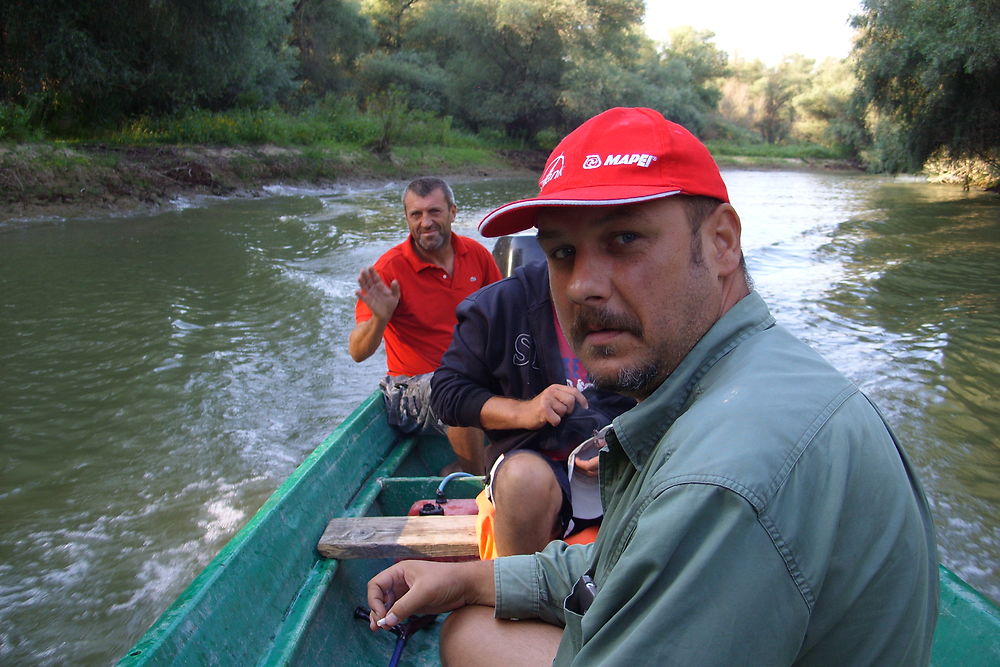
(590, 280)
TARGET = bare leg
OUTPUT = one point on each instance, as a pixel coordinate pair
(471, 636)
(469, 444)
(528, 499)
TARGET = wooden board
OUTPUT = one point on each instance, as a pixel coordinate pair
(400, 537)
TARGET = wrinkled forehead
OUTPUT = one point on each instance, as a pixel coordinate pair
(436, 198)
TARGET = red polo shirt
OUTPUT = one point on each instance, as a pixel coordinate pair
(422, 325)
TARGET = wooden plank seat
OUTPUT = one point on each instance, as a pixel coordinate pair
(400, 537)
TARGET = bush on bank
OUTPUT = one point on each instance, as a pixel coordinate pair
(330, 123)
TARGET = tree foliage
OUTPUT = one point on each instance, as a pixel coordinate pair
(778, 89)
(103, 60)
(523, 66)
(331, 36)
(518, 67)
(825, 111)
(931, 70)
(514, 45)
(797, 100)
(525, 69)
(682, 78)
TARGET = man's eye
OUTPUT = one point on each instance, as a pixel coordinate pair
(561, 253)
(624, 238)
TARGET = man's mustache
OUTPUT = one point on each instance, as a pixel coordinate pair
(590, 319)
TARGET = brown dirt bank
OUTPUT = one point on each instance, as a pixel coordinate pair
(45, 181)
(786, 163)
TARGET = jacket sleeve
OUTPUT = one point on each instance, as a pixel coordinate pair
(464, 382)
(534, 586)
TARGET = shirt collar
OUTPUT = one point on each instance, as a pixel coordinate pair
(641, 428)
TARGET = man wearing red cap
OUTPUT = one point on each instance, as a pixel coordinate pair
(409, 298)
(757, 507)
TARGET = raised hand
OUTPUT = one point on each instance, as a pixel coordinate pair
(382, 299)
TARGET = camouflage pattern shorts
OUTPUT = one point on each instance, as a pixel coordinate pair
(408, 403)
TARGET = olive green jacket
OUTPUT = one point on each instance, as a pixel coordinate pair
(758, 511)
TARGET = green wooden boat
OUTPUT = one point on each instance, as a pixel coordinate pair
(269, 598)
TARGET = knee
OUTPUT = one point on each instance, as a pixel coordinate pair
(524, 474)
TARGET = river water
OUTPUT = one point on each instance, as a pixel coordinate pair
(161, 375)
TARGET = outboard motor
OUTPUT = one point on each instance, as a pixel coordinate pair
(514, 250)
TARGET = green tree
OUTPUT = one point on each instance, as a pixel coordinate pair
(523, 66)
(330, 36)
(503, 59)
(826, 111)
(931, 69)
(679, 79)
(591, 84)
(792, 101)
(778, 88)
(388, 18)
(705, 63)
(414, 74)
(740, 105)
(686, 75)
(92, 62)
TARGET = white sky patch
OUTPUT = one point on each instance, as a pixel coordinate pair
(766, 30)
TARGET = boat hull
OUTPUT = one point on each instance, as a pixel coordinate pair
(269, 598)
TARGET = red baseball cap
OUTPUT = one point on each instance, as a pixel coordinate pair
(621, 156)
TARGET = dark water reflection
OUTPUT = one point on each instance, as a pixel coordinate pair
(922, 271)
(161, 375)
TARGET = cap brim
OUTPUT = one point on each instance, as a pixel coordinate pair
(520, 215)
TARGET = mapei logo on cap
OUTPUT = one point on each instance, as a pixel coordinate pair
(620, 159)
(555, 170)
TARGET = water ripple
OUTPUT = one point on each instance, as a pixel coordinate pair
(162, 375)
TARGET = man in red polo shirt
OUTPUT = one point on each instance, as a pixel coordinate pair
(408, 298)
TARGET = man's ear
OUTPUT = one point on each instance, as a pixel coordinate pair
(724, 230)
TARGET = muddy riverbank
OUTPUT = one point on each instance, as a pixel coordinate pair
(51, 181)
(46, 181)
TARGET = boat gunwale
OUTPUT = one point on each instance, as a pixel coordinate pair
(154, 644)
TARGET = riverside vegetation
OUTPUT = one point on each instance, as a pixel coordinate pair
(129, 104)
(149, 162)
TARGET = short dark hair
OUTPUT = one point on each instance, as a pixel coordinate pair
(425, 185)
(698, 208)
